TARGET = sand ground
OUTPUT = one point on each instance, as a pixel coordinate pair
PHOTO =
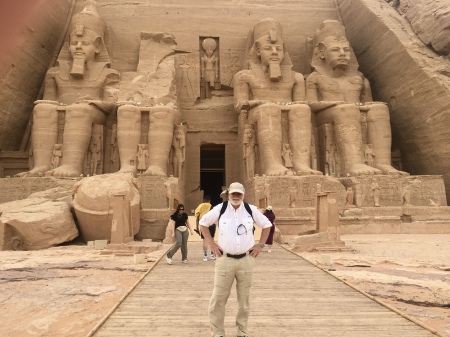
(67, 290)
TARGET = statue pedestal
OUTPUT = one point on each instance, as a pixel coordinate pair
(293, 198)
(159, 199)
(292, 192)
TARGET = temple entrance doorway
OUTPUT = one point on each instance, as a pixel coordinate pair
(212, 171)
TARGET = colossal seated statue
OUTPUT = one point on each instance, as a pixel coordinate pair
(266, 89)
(82, 84)
(338, 94)
(148, 112)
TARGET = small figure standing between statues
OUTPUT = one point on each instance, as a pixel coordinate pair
(209, 70)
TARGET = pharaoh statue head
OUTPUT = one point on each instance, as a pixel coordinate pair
(86, 43)
(267, 48)
(332, 49)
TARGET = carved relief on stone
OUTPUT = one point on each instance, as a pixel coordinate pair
(287, 156)
(114, 150)
(293, 195)
(56, 155)
(187, 75)
(349, 198)
(230, 64)
(178, 153)
(406, 195)
(142, 158)
(82, 83)
(209, 67)
(249, 150)
(339, 94)
(264, 90)
(369, 155)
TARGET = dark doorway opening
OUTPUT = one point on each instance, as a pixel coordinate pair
(212, 171)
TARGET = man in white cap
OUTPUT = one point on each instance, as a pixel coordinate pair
(237, 250)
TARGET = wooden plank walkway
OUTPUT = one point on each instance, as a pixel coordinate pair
(290, 297)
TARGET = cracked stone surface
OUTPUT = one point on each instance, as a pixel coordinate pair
(409, 272)
(67, 290)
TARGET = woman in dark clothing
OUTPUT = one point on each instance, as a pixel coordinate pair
(271, 216)
(181, 227)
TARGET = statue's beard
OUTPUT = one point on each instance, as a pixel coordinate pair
(274, 72)
(78, 66)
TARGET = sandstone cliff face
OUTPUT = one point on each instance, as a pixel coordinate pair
(30, 37)
(410, 77)
(430, 20)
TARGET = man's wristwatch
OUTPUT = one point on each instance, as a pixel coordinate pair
(262, 245)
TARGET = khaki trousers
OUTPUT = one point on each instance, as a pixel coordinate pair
(227, 270)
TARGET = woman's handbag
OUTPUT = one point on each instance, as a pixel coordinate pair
(182, 228)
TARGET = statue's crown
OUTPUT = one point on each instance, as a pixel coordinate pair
(268, 27)
(329, 28)
(88, 20)
(209, 44)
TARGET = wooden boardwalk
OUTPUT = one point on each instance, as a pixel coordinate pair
(290, 297)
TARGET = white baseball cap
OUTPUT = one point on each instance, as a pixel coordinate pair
(236, 188)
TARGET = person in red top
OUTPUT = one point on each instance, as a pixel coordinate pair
(271, 216)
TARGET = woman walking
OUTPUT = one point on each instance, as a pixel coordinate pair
(271, 216)
(181, 227)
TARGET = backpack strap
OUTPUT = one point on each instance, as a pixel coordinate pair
(248, 209)
(225, 205)
(222, 210)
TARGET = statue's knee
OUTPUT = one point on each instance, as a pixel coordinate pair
(267, 111)
(161, 113)
(348, 113)
(44, 111)
(378, 111)
(77, 111)
(300, 111)
(128, 111)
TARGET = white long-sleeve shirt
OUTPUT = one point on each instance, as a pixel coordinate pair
(230, 240)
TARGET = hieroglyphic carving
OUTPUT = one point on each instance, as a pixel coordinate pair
(230, 64)
(151, 189)
(391, 190)
(187, 77)
(15, 189)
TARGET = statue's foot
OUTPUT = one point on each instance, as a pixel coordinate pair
(35, 172)
(276, 170)
(388, 169)
(128, 169)
(362, 169)
(65, 171)
(304, 170)
(154, 171)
